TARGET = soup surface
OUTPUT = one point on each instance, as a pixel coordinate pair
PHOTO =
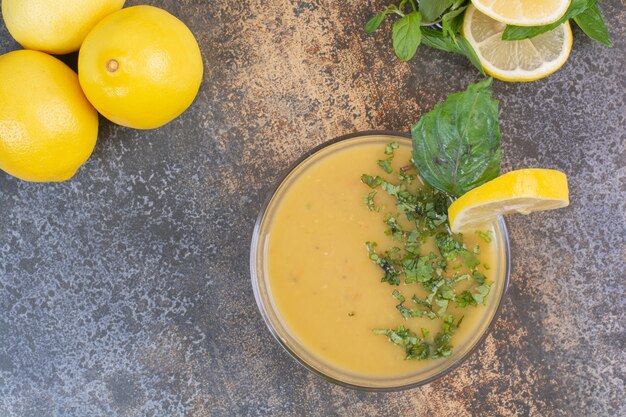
(327, 291)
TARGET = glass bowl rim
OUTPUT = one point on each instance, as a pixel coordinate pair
(254, 246)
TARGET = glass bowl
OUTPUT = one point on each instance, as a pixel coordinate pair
(281, 332)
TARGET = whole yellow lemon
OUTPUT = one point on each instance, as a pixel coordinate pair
(48, 129)
(140, 67)
(54, 26)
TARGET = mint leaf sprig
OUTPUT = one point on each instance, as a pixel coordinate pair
(592, 23)
(437, 24)
(412, 28)
(585, 14)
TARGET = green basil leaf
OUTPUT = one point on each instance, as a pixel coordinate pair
(451, 21)
(456, 146)
(432, 9)
(407, 35)
(436, 39)
(515, 33)
(592, 23)
(466, 49)
(375, 21)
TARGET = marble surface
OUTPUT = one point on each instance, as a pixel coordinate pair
(126, 292)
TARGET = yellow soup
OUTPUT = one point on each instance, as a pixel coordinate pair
(325, 290)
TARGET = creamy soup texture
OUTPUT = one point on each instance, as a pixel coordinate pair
(323, 285)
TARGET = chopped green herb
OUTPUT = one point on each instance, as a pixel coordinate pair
(470, 260)
(441, 342)
(390, 147)
(405, 178)
(385, 164)
(486, 236)
(443, 307)
(481, 293)
(418, 348)
(479, 277)
(413, 312)
(434, 289)
(370, 181)
(414, 237)
(417, 269)
(398, 296)
(436, 272)
(461, 278)
(464, 299)
(391, 189)
(388, 262)
(446, 291)
(415, 347)
(369, 201)
(420, 302)
(431, 210)
(448, 247)
(468, 298)
(395, 231)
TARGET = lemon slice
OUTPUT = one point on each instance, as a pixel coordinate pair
(523, 191)
(525, 60)
(523, 12)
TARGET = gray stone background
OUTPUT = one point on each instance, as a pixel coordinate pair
(125, 291)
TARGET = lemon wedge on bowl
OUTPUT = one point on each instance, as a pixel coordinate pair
(523, 191)
(523, 12)
(523, 60)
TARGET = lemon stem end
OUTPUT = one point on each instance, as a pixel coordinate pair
(112, 65)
